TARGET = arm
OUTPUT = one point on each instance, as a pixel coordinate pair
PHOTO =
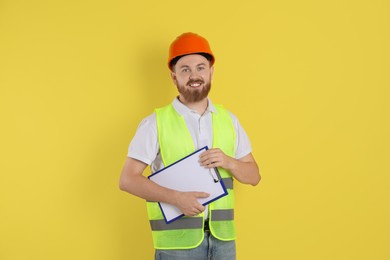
(245, 169)
(133, 182)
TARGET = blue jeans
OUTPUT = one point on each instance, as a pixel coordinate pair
(210, 249)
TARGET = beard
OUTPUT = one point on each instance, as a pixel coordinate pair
(194, 95)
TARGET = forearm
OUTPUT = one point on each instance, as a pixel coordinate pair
(142, 187)
(133, 182)
(244, 172)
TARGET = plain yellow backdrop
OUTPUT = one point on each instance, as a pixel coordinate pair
(309, 81)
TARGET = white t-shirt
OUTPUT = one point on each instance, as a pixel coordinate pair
(145, 147)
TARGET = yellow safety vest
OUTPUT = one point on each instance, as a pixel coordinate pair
(175, 143)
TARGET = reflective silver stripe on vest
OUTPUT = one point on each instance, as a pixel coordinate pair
(222, 214)
(182, 223)
(228, 182)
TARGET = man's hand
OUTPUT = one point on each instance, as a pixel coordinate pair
(188, 204)
(214, 158)
(245, 169)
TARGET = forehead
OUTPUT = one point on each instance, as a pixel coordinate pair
(191, 60)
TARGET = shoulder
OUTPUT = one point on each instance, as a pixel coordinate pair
(144, 145)
(148, 122)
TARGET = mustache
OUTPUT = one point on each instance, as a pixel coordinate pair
(195, 81)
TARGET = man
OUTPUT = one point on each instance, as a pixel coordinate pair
(191, 122)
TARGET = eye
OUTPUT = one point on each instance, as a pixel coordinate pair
(185, 70)
(201, 68)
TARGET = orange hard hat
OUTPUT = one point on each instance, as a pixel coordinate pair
(189, 43)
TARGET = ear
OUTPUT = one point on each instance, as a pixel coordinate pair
(211, 72)
(173, 77)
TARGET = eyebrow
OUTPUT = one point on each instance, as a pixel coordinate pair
(197, 65)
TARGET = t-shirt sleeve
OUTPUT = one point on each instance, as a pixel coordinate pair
(243, 144)
(144, 145)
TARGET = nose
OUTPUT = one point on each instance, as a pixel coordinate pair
(194, 74)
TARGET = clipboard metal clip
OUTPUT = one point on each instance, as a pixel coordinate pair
(214, 175)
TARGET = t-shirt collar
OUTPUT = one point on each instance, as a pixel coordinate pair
(183, 109)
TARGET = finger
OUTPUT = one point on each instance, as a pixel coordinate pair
(213, 157)
(213, 151)
(203, 154)
(199, 209)
(202, 195)
(214, 164)
(211, 163)
(208, 160)
(205, 157)
(209, 152)
(195, 210)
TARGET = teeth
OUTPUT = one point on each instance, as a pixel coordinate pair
(195, 85)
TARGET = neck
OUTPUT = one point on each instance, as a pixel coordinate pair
(199, 106)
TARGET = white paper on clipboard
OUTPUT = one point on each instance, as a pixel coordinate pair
(188, 175)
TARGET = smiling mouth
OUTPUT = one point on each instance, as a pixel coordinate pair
(195, 84)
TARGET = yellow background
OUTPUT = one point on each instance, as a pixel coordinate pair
(309, 81)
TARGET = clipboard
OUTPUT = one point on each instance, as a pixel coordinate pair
(187, 174)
